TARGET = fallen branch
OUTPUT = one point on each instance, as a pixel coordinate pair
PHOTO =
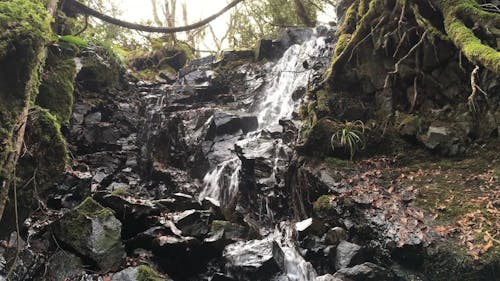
(83, 9)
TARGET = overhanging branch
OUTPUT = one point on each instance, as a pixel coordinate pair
(83, 9)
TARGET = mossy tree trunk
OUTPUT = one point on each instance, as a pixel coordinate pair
(474, 31)
(410, 57)
(25, 33)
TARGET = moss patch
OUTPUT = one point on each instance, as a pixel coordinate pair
(56, 90)
(94, 232)
(146, 273)
(40, 167)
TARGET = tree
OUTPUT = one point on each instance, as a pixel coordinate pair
(254, 20)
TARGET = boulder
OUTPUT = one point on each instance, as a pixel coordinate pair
(63, 266)
(445, 140)
(93, 232)
(346, 254)
(193, 222)
(251, 260)
(365, 272)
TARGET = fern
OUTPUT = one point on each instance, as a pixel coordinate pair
(351, 137)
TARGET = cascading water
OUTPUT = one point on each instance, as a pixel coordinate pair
(289, 75)
(222, 182)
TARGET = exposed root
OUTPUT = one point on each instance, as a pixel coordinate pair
(398, 63)
(471, 100)
(415, 94)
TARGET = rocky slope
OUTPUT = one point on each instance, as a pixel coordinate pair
(210, 175)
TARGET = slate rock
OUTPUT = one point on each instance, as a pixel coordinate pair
(93, 232)
(346, 254)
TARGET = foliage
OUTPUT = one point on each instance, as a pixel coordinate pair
(253, 20)
(75, 40)
(350, 137)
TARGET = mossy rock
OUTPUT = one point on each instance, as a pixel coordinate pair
(56, 90)
(39, 168)
(24, 31)
(101, 68)
(94, 232)
(139, 273)
(445, 259)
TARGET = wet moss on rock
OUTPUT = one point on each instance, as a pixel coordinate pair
(39, 168)
(94, 232)
(146, 273)
(56, 90)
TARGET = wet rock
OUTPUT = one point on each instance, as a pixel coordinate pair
(93, 232)
(178, 202)
(226, 124)
(365, 272)
(135, 215)
(251, 260)
(221, 277)
(230, 231)
(335, 235)
(63, 266)
(309, 226)
(267, 49)
(298, 93)
(236, 55)
(193, 222)
(139, 273)
(346, 254)
(327, 277)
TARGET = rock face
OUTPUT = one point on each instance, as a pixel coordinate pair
(93, 232)
(252, 260)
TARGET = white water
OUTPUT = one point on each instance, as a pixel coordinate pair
(288, 75)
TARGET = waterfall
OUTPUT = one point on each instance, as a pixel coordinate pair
(288, 74)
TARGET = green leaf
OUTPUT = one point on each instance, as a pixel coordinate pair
(78, 41)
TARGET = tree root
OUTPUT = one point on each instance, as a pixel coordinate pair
(471, 100)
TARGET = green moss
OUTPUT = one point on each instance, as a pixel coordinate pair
(342, 43)
(20, 18)
(24, 31)
(40, 168)
(337, 162)
(445, 258)
(56, 90)
(92, 231)
(324, 203)
(350, 19)
(458, 12)
(120, 192)
(323, 100)
(146, 273)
